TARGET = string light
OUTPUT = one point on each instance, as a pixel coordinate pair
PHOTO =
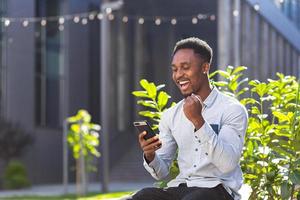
(76, 19)
(83, 18)
(43, 22)
(235, 13)
(201, 16)
(111, 17)
(61, 20)
(91, 16)
(108, 10)
(173, 21)
(141, 20)
(61, 27)
(25, 23)
(157, 21)
(256, 7)
(194, 20)
(100, 16)
(84, 21)
(125, 19)
(6, 22)
(212, 17)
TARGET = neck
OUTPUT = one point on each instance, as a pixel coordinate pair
(206, 90)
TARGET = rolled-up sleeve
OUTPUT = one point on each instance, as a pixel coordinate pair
(159, 167)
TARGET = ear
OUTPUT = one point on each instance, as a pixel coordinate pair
(205, 68)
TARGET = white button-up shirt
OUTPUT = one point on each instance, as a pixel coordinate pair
(209, 156)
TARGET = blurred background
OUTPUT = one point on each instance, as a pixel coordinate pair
(58, 56)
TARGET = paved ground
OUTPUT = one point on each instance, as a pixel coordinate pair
(54, 190)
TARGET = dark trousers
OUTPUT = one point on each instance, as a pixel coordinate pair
(182, 192)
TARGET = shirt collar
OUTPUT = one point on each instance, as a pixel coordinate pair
(211, 97)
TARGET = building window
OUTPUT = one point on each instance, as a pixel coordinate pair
(47, 67)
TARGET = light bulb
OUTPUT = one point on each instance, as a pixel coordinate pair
(158, 21)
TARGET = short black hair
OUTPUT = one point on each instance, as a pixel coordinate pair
(199, 46)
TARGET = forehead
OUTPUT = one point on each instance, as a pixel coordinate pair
(184, 55)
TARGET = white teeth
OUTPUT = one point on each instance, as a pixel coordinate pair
(183, 82)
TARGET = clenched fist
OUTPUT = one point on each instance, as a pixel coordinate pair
(192, 109)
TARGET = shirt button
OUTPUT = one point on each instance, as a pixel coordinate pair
(195, 165)
(199, 141)
(196, 136)
(196, 149)
(189, 176)
(206, 153)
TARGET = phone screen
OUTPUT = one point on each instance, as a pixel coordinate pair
(144, 126)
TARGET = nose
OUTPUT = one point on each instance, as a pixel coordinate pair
(178, 74)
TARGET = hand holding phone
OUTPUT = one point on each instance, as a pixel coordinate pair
(144, 126)
(149, 144)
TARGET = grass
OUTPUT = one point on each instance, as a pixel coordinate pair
(72, 197)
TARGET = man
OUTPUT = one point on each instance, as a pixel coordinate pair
(207, 127)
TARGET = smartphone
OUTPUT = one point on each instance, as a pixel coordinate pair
(144, 126)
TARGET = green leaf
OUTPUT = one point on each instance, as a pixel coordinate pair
(295, 177)
(233, 85)
(250, 176)
(262, 116)
(73, 119)
(229, 93)
(239, 69)
(141, 94)
(84, 115)
(255, 110)
(245, 80)
(285, 190)
(229, 69)
(75, 128)
(159, 87)
(282, 117)
(152, 90)
(250, 147)
(148, 103)
(162, 99)
(145, 84)
(254, 83)
(247, 101)
(221, 83)
(224, 74)
(149, 114)
(234, 78)
(95, 127)
(261, 89)
(297, 162)
(283, 151)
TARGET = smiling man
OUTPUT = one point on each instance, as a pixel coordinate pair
(206, 127)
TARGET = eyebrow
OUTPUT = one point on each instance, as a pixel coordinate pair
(182, 63)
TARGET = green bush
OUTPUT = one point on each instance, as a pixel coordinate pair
(15, 176)
(271, 156)
(13, 140)
(83, 137)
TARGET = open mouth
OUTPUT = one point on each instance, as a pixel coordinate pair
(183, 84)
